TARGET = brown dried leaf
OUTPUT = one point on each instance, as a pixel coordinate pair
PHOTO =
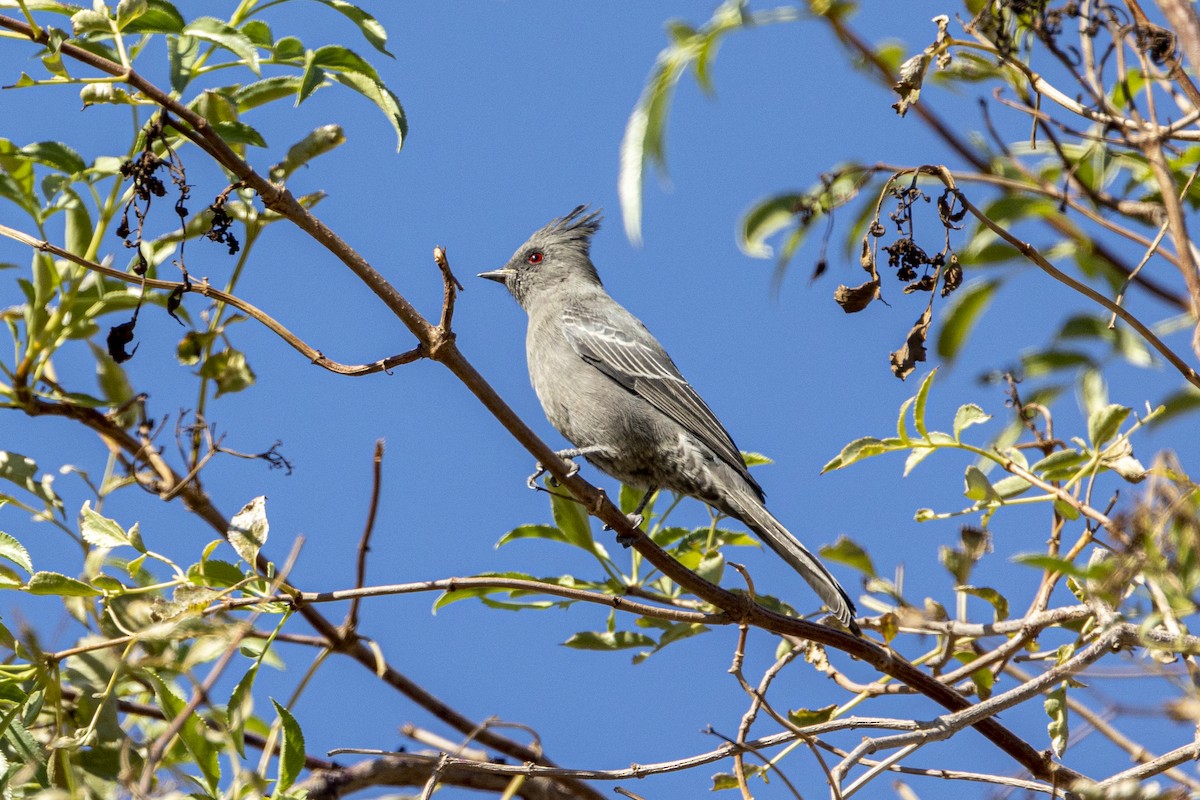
(856, 298)
(904, 360)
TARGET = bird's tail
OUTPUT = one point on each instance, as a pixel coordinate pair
(754, 514)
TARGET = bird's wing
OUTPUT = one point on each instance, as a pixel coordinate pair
(631, 356)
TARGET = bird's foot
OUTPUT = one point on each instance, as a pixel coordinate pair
(625, 540)
(565, 455)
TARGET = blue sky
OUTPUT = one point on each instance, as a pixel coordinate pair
(516, 113)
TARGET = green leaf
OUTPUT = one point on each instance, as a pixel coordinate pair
(764, 220)
(803, 717)
(291, 759)
(1012, 486)
(922, 400)
(644, 141)
(382, 97)
(55, 155)
(191, 733)
(259, 32)
(289, 48)
(15, 552)
(53, 583)
(966, 416)
(1104, 422)
(229, 370)
(961, 315)
(370, 28)
(915, 457)
(859, 449)
(265, 91)
(608, 640)
(846, 551)
(22, 471)
(726, 781)
(336, 58)
(100, 531)
(312, 79)
(249, 528)
(983, 678)
(572, 520)
(159, 16)
(88, 21)
(751, 459)
(240, 708)
(1059, 465)
(237, 132)
(320, 141)
(214, 31)
(998, 601)
(978, 487)
(182, 53)
(128, 11)
(1055, 705)
(1095, 571)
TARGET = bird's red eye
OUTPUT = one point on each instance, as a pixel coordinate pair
(535, 257)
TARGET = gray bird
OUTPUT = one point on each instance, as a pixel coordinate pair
(610, 388)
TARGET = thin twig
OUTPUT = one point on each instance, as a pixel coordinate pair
(364, 544)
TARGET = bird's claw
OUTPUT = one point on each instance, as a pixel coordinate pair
(627, 539)
(539, 471)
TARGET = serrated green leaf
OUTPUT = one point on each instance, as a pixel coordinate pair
(336, 58)
(88, 21)
(214, 31)
(265, 91)
(236, 132)
(249, 528)
(289, 48)
(259, 32)
(370, 28)
(1104, 422)
(916, 456)
(55, 155)
(159, 16)
(191, 733)
(1059, 465)
(53, 583)
(240, 708)
(966, 416)
(572, 520)
(291, 759)
(100, 531)
(859, 449)
(15, 552)
(383, 98)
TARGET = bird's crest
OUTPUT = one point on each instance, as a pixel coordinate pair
(576, 228)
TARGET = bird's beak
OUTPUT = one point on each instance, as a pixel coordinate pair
(497, 275)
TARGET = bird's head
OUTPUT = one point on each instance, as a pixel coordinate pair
(554, 255)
